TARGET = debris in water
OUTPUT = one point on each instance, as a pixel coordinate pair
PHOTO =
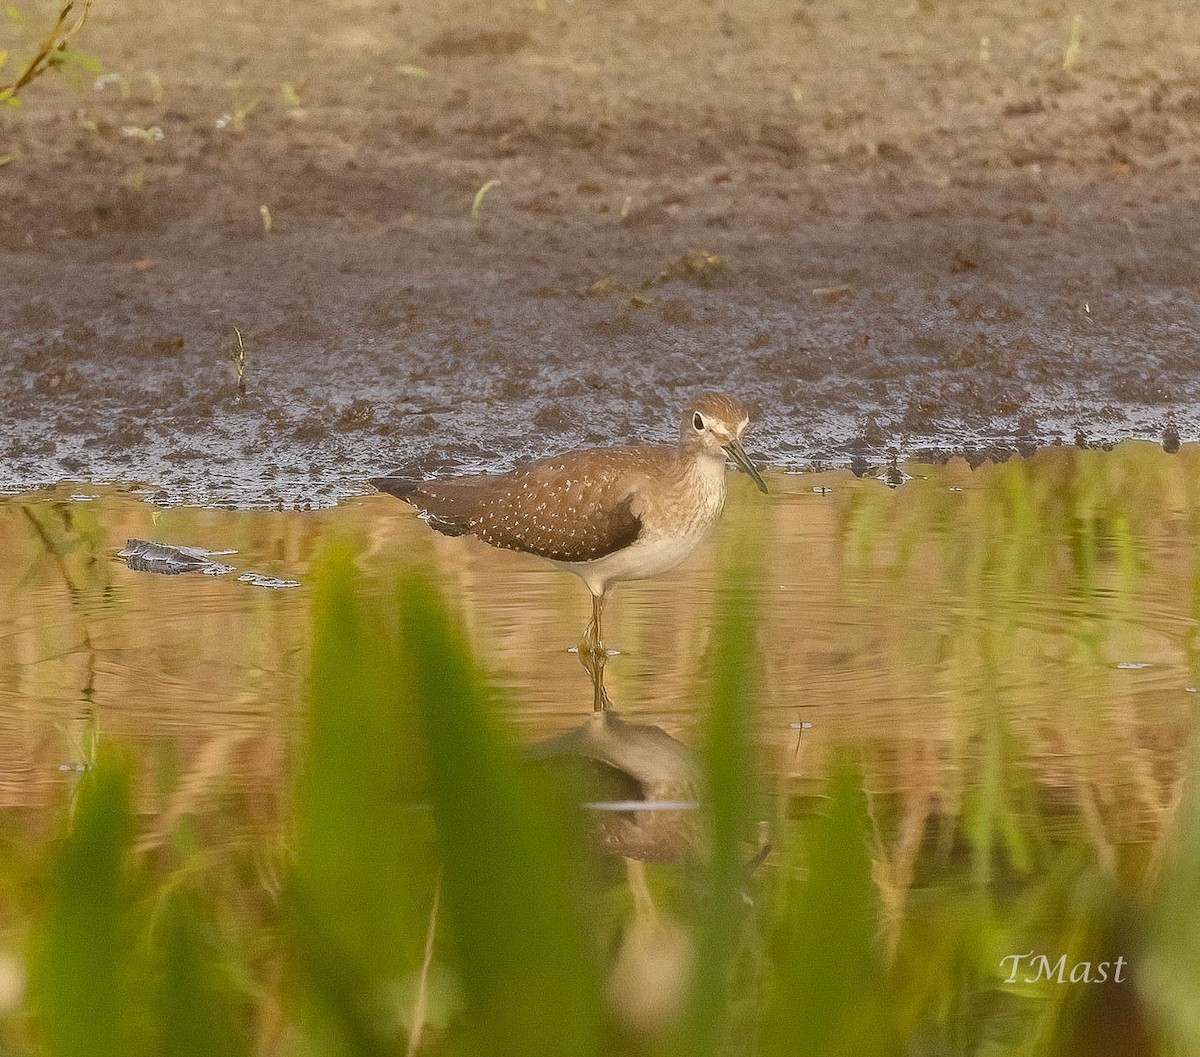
(1133, 665)
(893, 476)
(145, 556)
(272, 582)
(642, 805)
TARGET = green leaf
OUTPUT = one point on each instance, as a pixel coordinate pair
(729, 766)
(511, 885)
(69, 57)
(363, 878)
(829, 962)
(196, 1014)
(84, 984)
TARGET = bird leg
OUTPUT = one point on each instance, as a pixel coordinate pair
(593, 664)
(593, 641)
(593, 655)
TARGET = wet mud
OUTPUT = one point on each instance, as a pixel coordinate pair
(903, 232)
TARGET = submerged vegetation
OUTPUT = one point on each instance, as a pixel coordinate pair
(417, 883)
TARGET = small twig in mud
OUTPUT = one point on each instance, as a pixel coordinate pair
(479, 196)
(153, 134)
(50, 51)
(833, 293)
(1074, 45)
(265, 213)
(237, 119)
(239, 357)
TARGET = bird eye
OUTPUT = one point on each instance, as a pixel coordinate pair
(698, 422)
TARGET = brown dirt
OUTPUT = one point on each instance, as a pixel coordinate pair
(839, 210)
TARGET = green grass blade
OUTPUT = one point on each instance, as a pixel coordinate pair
(512, 893)
(196, 1016)
(729, 783)
(1170, 975)
(828, 958)
(83, 983)
(356, 903)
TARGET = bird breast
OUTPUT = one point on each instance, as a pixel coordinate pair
(675, 519)
(692, 506)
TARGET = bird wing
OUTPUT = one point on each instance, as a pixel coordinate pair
(576, 508)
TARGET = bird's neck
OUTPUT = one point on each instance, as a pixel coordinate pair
(706, 465)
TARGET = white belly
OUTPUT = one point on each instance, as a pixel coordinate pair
(644, 559)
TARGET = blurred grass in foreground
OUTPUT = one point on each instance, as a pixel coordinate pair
(427, 892)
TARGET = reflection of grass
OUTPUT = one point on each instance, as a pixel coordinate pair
(1037, 584)
(876, 925)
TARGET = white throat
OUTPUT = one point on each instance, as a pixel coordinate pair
(710, 466)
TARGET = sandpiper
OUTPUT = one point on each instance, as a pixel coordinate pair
(605, 514)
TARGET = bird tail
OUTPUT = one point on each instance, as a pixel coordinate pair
(442, 503)
(400, 487)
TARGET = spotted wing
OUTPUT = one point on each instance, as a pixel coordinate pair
(576, 508)
(577, 524)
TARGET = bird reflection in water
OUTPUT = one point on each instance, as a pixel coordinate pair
(640, 790)
(641, 785)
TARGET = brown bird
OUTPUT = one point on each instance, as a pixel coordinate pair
(605, 514)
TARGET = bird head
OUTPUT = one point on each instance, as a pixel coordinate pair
(714, 424)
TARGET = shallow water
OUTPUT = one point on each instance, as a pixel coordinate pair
(1022, 635)
(1008, 654)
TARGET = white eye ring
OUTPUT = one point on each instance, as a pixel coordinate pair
(698, 422)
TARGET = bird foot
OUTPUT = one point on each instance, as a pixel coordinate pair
(594, 656)
(593, 649)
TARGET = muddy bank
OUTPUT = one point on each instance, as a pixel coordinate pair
(899, 232)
